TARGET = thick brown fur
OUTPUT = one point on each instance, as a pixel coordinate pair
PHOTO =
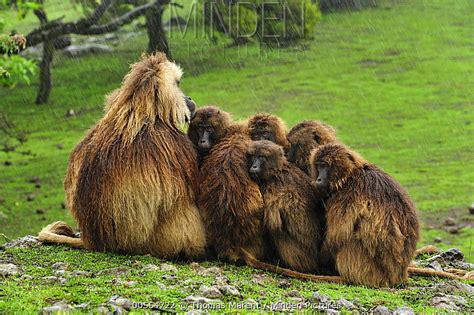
(230, 201)
(372, 226)
(271, 124)
(131, 181)
(306, 136)
(291, 214)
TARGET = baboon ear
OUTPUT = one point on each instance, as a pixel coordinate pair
(351, 157)
(316, 137)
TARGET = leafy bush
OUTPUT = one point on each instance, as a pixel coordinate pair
(275, 22)
(335, 5)
(13, 68)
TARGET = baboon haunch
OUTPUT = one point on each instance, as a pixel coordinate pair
(372, 226)
(208, 125)
(268, 127)
(304, 137)
(131, 181)
(230, 201)
(291, 214)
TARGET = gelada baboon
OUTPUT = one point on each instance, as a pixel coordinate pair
(209, 124)
(268, 127)
(372, 226)
(130, 182)
(291, 214)
(304, 137)
(230, 201)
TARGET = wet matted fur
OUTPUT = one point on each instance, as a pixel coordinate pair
(372, 226)
(131, 181)
(273, 125)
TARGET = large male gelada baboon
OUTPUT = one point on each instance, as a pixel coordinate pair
(304, 137)
(291, 213)
(268, 127)
(230, 201)
(372, 226)
(131, 181)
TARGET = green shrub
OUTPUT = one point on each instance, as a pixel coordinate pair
(337, 5)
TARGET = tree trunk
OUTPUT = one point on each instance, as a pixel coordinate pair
(156, 33)
(45, 73)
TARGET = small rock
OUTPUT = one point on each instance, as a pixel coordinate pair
(319, 298)
(102, 310)
(452, 229)
(168, 268)
(452, 286)
(59, 307)
(260, 278)
(435, 265)
(82, 306)
(160, 285)
(129, 284)
(60, 265)
(59, 146)
(61, 273)
(347, 304)
(30, 197)
(27, 277)
(80, 50)
(447, 302)
(199, 300)
(221, 280)
(70, 113)
(450, 221)
(28, 241)
(381, 310)
(438, 239)
(9, 270)
(168, 277)
(212, 292)
(229, 290)
(8, 163)
(284, 283)
(471, 209)
(200, 270)
(121, 302)
(404, 310)
(293, 293)
(150, 267)
(80, 273)
(39, 211)
(53, 280)
(331, 311)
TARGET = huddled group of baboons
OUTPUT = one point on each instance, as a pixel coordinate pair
(299, 203)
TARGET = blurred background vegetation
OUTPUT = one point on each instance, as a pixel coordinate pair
(395, 78)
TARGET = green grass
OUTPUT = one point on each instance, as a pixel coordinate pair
(396, 81)
(97, 288)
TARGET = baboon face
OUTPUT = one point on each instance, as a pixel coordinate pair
(207, 127)
(306, 136)
(267, 127)
(265, 159)
(331, 165)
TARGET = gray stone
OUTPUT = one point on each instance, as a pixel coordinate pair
(331, 311)
(229, 290)
(113, 271)
(53, 280)
(347, 304)
(211, 292)
(319, 298)
(452, 286)
(293, 293)
(450, 221)
(30, 197)
(9, 270)
(284, 283)
(447, 302)
(404, 310)
(381, 310)
(62, 307)
(28, 241)
(80, 273)
(120, 302)
(168, 268)
(60, 265)
(151, 267)
(438, 239)
(200, 270)
(435, 265)
(91, 48)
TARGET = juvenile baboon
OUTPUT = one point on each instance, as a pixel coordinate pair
(209, 124)
(131, 181)
(304, 137)
(372, 226)
(230, 201)
(291, 214)
(268, 127)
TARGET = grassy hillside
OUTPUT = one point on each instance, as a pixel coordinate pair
(397, 82)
